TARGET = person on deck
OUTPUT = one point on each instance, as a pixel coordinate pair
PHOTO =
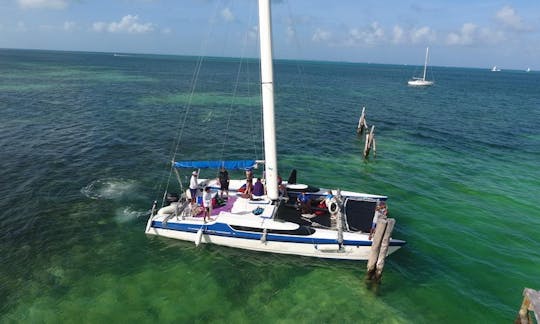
(305, 202)
(380, 212)
(281, 187)
(224, 181)
(207, 203)
(249, 174)
(193, 185)
(258, 188)
(324, 203)
(249, 188)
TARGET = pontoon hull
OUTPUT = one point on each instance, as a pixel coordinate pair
(327, 251)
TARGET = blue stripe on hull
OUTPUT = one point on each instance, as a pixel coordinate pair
(221, 229)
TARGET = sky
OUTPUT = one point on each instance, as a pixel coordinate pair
(473, 33)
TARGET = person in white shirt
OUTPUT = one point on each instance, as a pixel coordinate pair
(207, 203)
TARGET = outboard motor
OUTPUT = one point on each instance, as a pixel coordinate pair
(172, 197)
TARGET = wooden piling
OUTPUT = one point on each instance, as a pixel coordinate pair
(370, 138)
(362, 124)
(376, 247)
(385, 244)
(379, 248)
(531, 302)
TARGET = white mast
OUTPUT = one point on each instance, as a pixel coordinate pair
(425, 63)
(267, 90)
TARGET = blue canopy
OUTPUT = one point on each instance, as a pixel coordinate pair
(229, 165)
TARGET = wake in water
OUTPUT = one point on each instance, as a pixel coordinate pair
(127, 214)
(116, 189)
(113, 188)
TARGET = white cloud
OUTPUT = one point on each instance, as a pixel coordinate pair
(489, 36)
(227, 15)
(253, 33)
(21, 26)
(414, 36)
(423, 34)
(69, 25)
(48, 4)
(321, 35)
(370, 36)
(291, 32)
(128, 24)
(471, 34)
(166, 31)
(509, 18)
(465, 36)
(99, 26)
(46, 28)
(398, 35)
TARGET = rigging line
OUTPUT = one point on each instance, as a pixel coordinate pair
(194, 80)
(299, 68)
(235, 90)
(196, 76)
(177, 141)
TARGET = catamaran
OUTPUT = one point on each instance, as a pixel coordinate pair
(422, 81)
(337, 226)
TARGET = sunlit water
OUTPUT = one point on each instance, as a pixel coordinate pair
(86, 141)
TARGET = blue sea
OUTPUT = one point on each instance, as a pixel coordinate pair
(86, 141)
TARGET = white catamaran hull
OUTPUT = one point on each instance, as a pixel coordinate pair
(328, 251)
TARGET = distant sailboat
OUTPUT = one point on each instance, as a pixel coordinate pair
(528, 70)
(495, 69)
(422, 81)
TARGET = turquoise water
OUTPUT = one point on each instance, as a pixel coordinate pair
(85, 142)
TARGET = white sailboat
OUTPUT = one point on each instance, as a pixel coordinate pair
(422, 81)
(270, 222)
(495, 69)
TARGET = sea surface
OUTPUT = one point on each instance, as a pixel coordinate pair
(86, 141)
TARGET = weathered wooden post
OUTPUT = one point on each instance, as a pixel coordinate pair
(370, 138)
(362, 124)
(379, 248)
(385, 244)
(376, 247)
(531, 302)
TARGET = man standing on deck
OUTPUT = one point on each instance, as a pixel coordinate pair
(224, 181)
(207, 203)
(193, 185)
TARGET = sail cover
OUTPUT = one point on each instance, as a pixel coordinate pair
(229, 165)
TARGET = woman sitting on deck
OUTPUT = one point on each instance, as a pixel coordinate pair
(258, 188)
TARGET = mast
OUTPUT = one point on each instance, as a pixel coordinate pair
(267, 90)
(425, 63)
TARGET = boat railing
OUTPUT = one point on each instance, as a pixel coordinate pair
(178, 212)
